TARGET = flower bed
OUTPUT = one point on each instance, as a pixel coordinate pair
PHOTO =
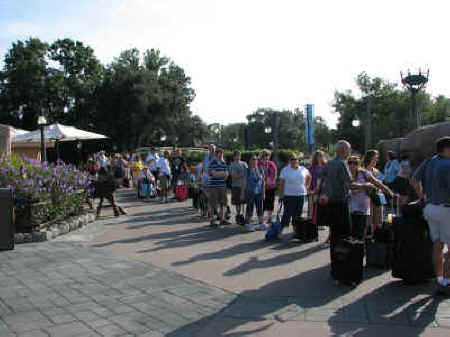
(42, 192)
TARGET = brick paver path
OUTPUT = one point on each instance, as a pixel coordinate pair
(162, 272)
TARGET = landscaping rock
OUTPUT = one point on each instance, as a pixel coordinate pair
(18, 238)
(73, 225)
(27, 237)
(55, 233)
(39, 236)
(64, 228)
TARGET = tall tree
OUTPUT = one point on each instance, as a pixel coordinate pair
(23, 83)
(76, 78)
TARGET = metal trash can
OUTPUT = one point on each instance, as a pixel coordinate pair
(7, 227)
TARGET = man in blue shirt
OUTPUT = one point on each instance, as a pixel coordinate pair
(391, 168)
(433, 175)
(217, 193)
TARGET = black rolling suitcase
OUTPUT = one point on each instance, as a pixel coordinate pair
(304, 227)
(379, 249)
(306, 230)
(412, 258)
(347, 261)
(195, 197)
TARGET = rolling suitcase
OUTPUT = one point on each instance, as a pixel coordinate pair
(379, 249)
(305, 228)
(347, 261)
(412, 258)
(181, 192)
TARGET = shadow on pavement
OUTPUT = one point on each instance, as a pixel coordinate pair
(391, 307)
(255, 263)
(194, 236)
(390, 310)
(280, 300)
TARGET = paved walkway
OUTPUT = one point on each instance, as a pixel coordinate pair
(162, 272)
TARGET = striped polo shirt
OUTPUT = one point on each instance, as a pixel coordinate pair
(219, 166)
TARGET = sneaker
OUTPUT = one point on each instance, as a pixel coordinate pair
(250, 227)
(261, 227)
(225, 223)
(213, 224)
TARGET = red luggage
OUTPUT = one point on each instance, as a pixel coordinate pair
(181, 192)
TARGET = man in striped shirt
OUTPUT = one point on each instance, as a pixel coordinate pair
(217, 193)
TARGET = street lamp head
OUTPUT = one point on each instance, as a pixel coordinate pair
(163, 138)
(356, 123)
(79, 145)
(41, 120)
(268, 129)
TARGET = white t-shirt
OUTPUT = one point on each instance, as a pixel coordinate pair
(294, 180)
(152, 159)
(164, 166)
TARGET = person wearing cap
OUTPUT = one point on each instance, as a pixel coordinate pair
(164, 173)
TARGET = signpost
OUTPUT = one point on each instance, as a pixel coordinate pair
(309, 126)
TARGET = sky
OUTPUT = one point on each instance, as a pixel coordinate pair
(245, 54)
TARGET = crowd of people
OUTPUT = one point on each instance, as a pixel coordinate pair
(349, 194)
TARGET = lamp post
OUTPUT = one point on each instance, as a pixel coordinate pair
(79, 147)
(414, 83)
(41, 122)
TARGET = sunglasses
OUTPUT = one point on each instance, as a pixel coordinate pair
(293, 159)
(352, 163)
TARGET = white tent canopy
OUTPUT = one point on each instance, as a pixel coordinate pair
(57, 132)
(16, 132)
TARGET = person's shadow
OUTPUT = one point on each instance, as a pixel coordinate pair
(394, 310)
(281, 300)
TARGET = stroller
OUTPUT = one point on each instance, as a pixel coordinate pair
(145, 189)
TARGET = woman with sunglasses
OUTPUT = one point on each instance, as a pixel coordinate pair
(253, 189)
(294, 184)
(360, 209)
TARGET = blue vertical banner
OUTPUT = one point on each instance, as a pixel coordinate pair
(309, 125)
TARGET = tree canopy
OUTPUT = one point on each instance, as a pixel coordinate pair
(136, 100)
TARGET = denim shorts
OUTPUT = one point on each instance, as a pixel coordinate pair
(254, 200)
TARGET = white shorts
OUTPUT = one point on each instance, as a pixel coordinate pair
(438, 218)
